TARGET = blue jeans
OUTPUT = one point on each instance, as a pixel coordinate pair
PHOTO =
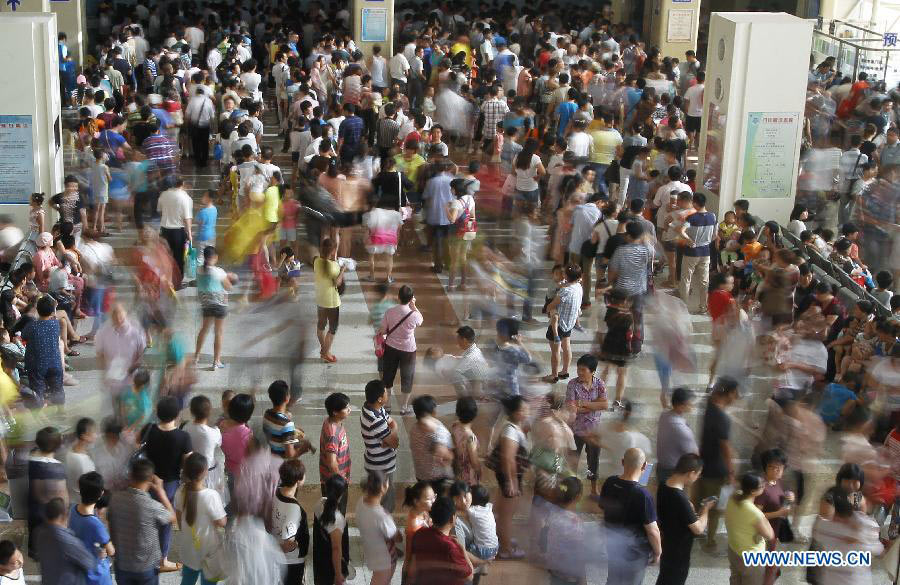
(189, 576)
(150, 577)
(95, 302)
(165, 532)
(600, 179)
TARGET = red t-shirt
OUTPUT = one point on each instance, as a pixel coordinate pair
(718, 302)
(334, 440)
(439, 558)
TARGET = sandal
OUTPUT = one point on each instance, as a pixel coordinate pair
(563, 375)
(329, 358)
(550, 379)
(73, 353)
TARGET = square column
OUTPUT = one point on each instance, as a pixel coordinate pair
(753, 112)
(31, 157)
(674, 25)
(373, 24)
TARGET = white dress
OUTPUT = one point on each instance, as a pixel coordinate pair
(453, 111)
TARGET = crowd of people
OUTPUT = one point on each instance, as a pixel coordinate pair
(563, 126)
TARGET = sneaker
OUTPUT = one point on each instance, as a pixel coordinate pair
(217, 366)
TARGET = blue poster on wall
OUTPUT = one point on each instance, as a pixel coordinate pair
(16, 159)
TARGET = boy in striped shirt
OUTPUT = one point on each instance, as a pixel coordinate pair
(379, 433)
(285, 439)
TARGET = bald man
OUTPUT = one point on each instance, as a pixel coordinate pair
(629, 515)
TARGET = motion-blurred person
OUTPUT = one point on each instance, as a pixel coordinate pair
(674, 437)
(847, 529)
(716, 451)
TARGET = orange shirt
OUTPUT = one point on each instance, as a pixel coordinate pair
(751, 250)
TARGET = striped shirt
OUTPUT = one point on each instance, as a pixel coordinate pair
(374, 427)
(388, 128)
(630, 262)
(334, 440)
(570, 298)
(278, 428)
(701, 229)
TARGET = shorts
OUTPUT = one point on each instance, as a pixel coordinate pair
(389, 249)
(295, 157)
(692, 124)
(100, 198)
(214, 311)
(562, 334)
(669, 246)
(328, 317)
(529, 196)
(287, 234)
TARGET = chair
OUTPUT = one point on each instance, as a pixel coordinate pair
(847, 297)
(818, 271)
(833, 282)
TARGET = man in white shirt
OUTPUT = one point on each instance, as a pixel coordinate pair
(694, 109)
(198, 115)
(580, 143)
(176, 212)
(195, 36)
(399, 67)
(662, 194)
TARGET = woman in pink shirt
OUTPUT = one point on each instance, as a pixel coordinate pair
(44, 261)
(399, 328)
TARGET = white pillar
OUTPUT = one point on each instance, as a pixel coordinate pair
(70, 19)
(674, 26)
(373, 24)
(31, 157)
(753, 112)
(26, 6)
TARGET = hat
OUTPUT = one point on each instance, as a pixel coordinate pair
(45, 239)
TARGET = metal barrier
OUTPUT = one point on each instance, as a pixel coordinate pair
(857, 49)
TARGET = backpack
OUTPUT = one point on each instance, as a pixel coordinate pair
(466, 224)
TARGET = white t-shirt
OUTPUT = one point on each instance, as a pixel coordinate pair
(694, 97)
(339, 523)
(615, 444)
(376, 528)
(287, 520)
(251, 81)
(580, 144)
(810, 353)
(77, 464)
(175, 206)
(398, 66)
(204, 439)
(484, 526)
(379, 64)
(17, 578)
(662, 194)
(194, 543)
(464, 202)
(526, 178)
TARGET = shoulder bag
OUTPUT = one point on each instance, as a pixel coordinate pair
(380, 338)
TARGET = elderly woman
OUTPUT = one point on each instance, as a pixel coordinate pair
(44, 261)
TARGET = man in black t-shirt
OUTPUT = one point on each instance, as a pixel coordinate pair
(716, 451)
(678, 522)
(632, 540)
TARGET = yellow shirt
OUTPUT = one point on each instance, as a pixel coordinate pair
(270, 205)
(741, 519)
(605, 144)
(409, 167)
(326, 271)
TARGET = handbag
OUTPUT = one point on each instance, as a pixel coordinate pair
(380, 338)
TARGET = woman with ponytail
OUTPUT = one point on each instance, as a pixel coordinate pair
(748, 530)
(200, 513)
(331, 550)
(213, 285)
(377, 531)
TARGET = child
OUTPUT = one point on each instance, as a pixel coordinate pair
(78, 459)
(839, 399)
(728, 231)
(111, 453)
(289, 521)
(289, 270)
(498, 143)
(100, 178)
(724, 312)
(236, 434)
(285, 440)
(136, 404)
(428, 107)
(89, 529)
(691, 175)
(511, 148)
(466, 463)
(290, 209)
(617, 349)
(473, 184)
(227, 395)
(882, 291)
(207, 441)
(484, 526)
(750, 245)
(206, 222)
(376, 313)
